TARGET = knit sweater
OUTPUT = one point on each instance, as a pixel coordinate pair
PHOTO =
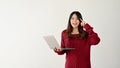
(80, 56)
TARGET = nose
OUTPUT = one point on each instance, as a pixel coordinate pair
(74, 20)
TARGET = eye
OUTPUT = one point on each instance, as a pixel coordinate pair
(72, 18)
(77, 19)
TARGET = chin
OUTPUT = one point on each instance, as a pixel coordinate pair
(75, 26)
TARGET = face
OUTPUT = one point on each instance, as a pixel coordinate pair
(74, 21)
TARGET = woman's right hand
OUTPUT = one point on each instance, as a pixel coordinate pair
(58, 50)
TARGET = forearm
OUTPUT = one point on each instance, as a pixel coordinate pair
(93, 37)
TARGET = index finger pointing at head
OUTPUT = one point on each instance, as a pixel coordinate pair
(81, 19)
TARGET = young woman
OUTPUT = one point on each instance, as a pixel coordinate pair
(78, 35)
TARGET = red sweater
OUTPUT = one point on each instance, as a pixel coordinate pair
(80, 56)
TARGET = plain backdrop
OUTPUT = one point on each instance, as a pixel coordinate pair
(23, 23)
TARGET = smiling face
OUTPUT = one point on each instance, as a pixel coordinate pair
(74, 25)
(74, 21)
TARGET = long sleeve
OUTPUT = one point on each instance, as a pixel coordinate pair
(93, 38)
(62, 44)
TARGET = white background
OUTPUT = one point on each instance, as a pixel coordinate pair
(24, 22)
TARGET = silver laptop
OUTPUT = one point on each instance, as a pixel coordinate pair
(52, 42)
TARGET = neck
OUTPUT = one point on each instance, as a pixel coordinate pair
(75, 31)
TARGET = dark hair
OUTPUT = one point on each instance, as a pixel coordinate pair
(82, 33)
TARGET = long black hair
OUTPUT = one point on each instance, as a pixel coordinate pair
(82, 33)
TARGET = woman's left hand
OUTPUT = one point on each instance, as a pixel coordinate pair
(83, 23)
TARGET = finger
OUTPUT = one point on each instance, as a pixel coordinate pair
(59, 49)
(55, 49)
(81, 24)
(81, 19)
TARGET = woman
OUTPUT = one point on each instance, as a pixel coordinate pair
(78, 35)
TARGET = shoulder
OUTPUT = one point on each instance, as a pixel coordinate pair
(64, 31)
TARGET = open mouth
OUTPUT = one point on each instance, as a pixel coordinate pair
(74, 23)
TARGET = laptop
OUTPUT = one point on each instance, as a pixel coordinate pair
(52, 43)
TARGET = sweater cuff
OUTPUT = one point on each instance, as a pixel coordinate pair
(88, 27)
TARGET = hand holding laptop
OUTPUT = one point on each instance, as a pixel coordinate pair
(57, 50)
(53, 44)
